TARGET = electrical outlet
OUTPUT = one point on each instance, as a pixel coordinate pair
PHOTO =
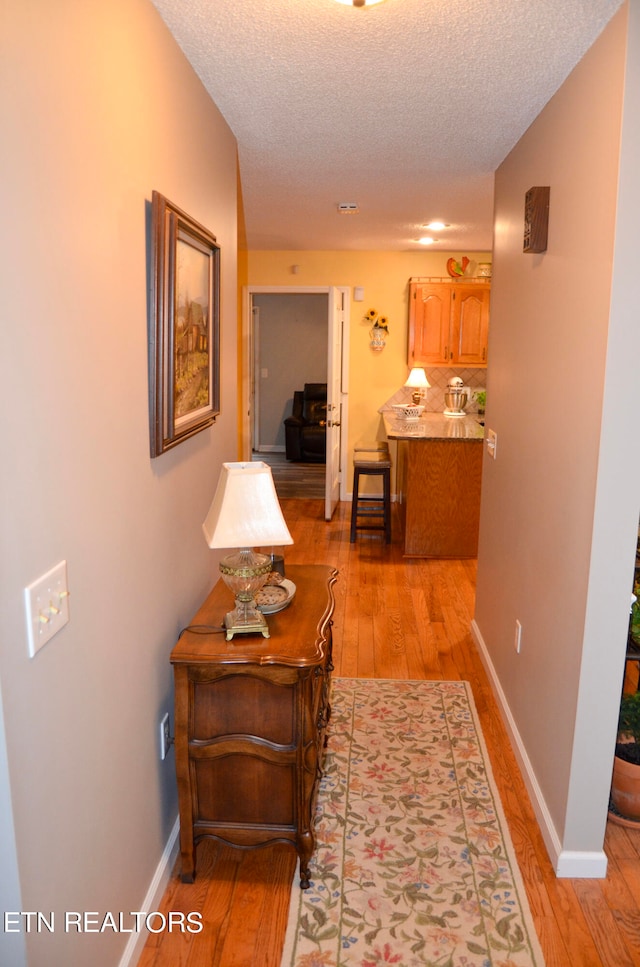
(492, 443)
(517, 638)
(165, 738)
(47, 606)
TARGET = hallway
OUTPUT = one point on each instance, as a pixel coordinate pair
(403, 619)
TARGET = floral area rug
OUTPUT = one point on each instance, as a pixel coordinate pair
(413, 864)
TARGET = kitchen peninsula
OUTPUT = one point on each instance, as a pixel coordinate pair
(438, 482)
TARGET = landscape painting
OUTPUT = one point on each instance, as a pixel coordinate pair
(184, 356)
(192, 359)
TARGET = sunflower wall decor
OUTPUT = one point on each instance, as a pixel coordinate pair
(379, 329)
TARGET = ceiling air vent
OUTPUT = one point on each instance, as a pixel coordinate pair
(348, 208)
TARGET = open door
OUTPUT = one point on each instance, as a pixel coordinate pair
(334, 401)
(338, 302)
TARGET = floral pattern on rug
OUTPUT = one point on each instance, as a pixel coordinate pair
(413, 865)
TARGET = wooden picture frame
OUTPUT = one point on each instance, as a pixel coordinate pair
(184, 345)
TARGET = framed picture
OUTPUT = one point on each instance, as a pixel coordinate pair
(184, 347)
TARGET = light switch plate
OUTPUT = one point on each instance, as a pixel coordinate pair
(492, 443)
(47, 606)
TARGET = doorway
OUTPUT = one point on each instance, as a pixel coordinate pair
(290, 332)
(274, 324)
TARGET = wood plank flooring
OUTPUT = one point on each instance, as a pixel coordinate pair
(398, 618)
(306, 480)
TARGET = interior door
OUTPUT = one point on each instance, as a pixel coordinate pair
(334, 401)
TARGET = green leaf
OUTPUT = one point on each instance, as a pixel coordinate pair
(475, 948)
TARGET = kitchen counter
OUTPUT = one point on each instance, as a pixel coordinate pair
(433, 426)
(438, 483)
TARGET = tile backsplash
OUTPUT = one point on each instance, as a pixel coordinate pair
(475, 379)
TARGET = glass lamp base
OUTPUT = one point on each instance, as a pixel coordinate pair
(244, 572)
(244, 622)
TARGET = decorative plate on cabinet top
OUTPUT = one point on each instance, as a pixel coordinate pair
(457, 269)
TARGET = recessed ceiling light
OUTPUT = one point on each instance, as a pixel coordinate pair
(359, 3)
(436, 226)
(427, 240)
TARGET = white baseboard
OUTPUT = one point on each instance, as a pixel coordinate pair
(566, 863)
(581, 865)
(157, 887)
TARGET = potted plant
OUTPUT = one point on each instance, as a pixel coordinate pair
(625, 785)
(634, 624)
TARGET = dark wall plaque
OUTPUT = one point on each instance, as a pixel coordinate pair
(536, 219)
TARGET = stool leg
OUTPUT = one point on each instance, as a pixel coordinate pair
(354, 505)
(387, 505)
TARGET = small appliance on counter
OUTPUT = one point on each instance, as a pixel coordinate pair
(456, 397)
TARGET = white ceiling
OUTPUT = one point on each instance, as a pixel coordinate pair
(405, 108)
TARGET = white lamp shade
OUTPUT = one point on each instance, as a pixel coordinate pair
(245, 511)
(417, 379)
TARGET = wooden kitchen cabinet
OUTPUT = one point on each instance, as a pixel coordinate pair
(448, 322)
(250, 722)
(439, 485)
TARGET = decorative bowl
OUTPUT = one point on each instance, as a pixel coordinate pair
(408, 411)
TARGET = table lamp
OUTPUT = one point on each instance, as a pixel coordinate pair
(418, 382)
(245, 512)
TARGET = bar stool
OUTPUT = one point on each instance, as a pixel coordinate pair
(372, 463)
(371, 446)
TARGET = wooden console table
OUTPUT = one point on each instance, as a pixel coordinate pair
(250, 721)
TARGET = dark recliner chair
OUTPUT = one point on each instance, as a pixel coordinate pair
(306, 429)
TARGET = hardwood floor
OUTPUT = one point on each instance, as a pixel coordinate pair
(398, 618)
(306, 480)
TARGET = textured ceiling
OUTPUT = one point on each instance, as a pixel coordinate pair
(405, 108)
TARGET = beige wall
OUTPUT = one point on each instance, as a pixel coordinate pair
(101, 109)
(373, 376)
(560, 502)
